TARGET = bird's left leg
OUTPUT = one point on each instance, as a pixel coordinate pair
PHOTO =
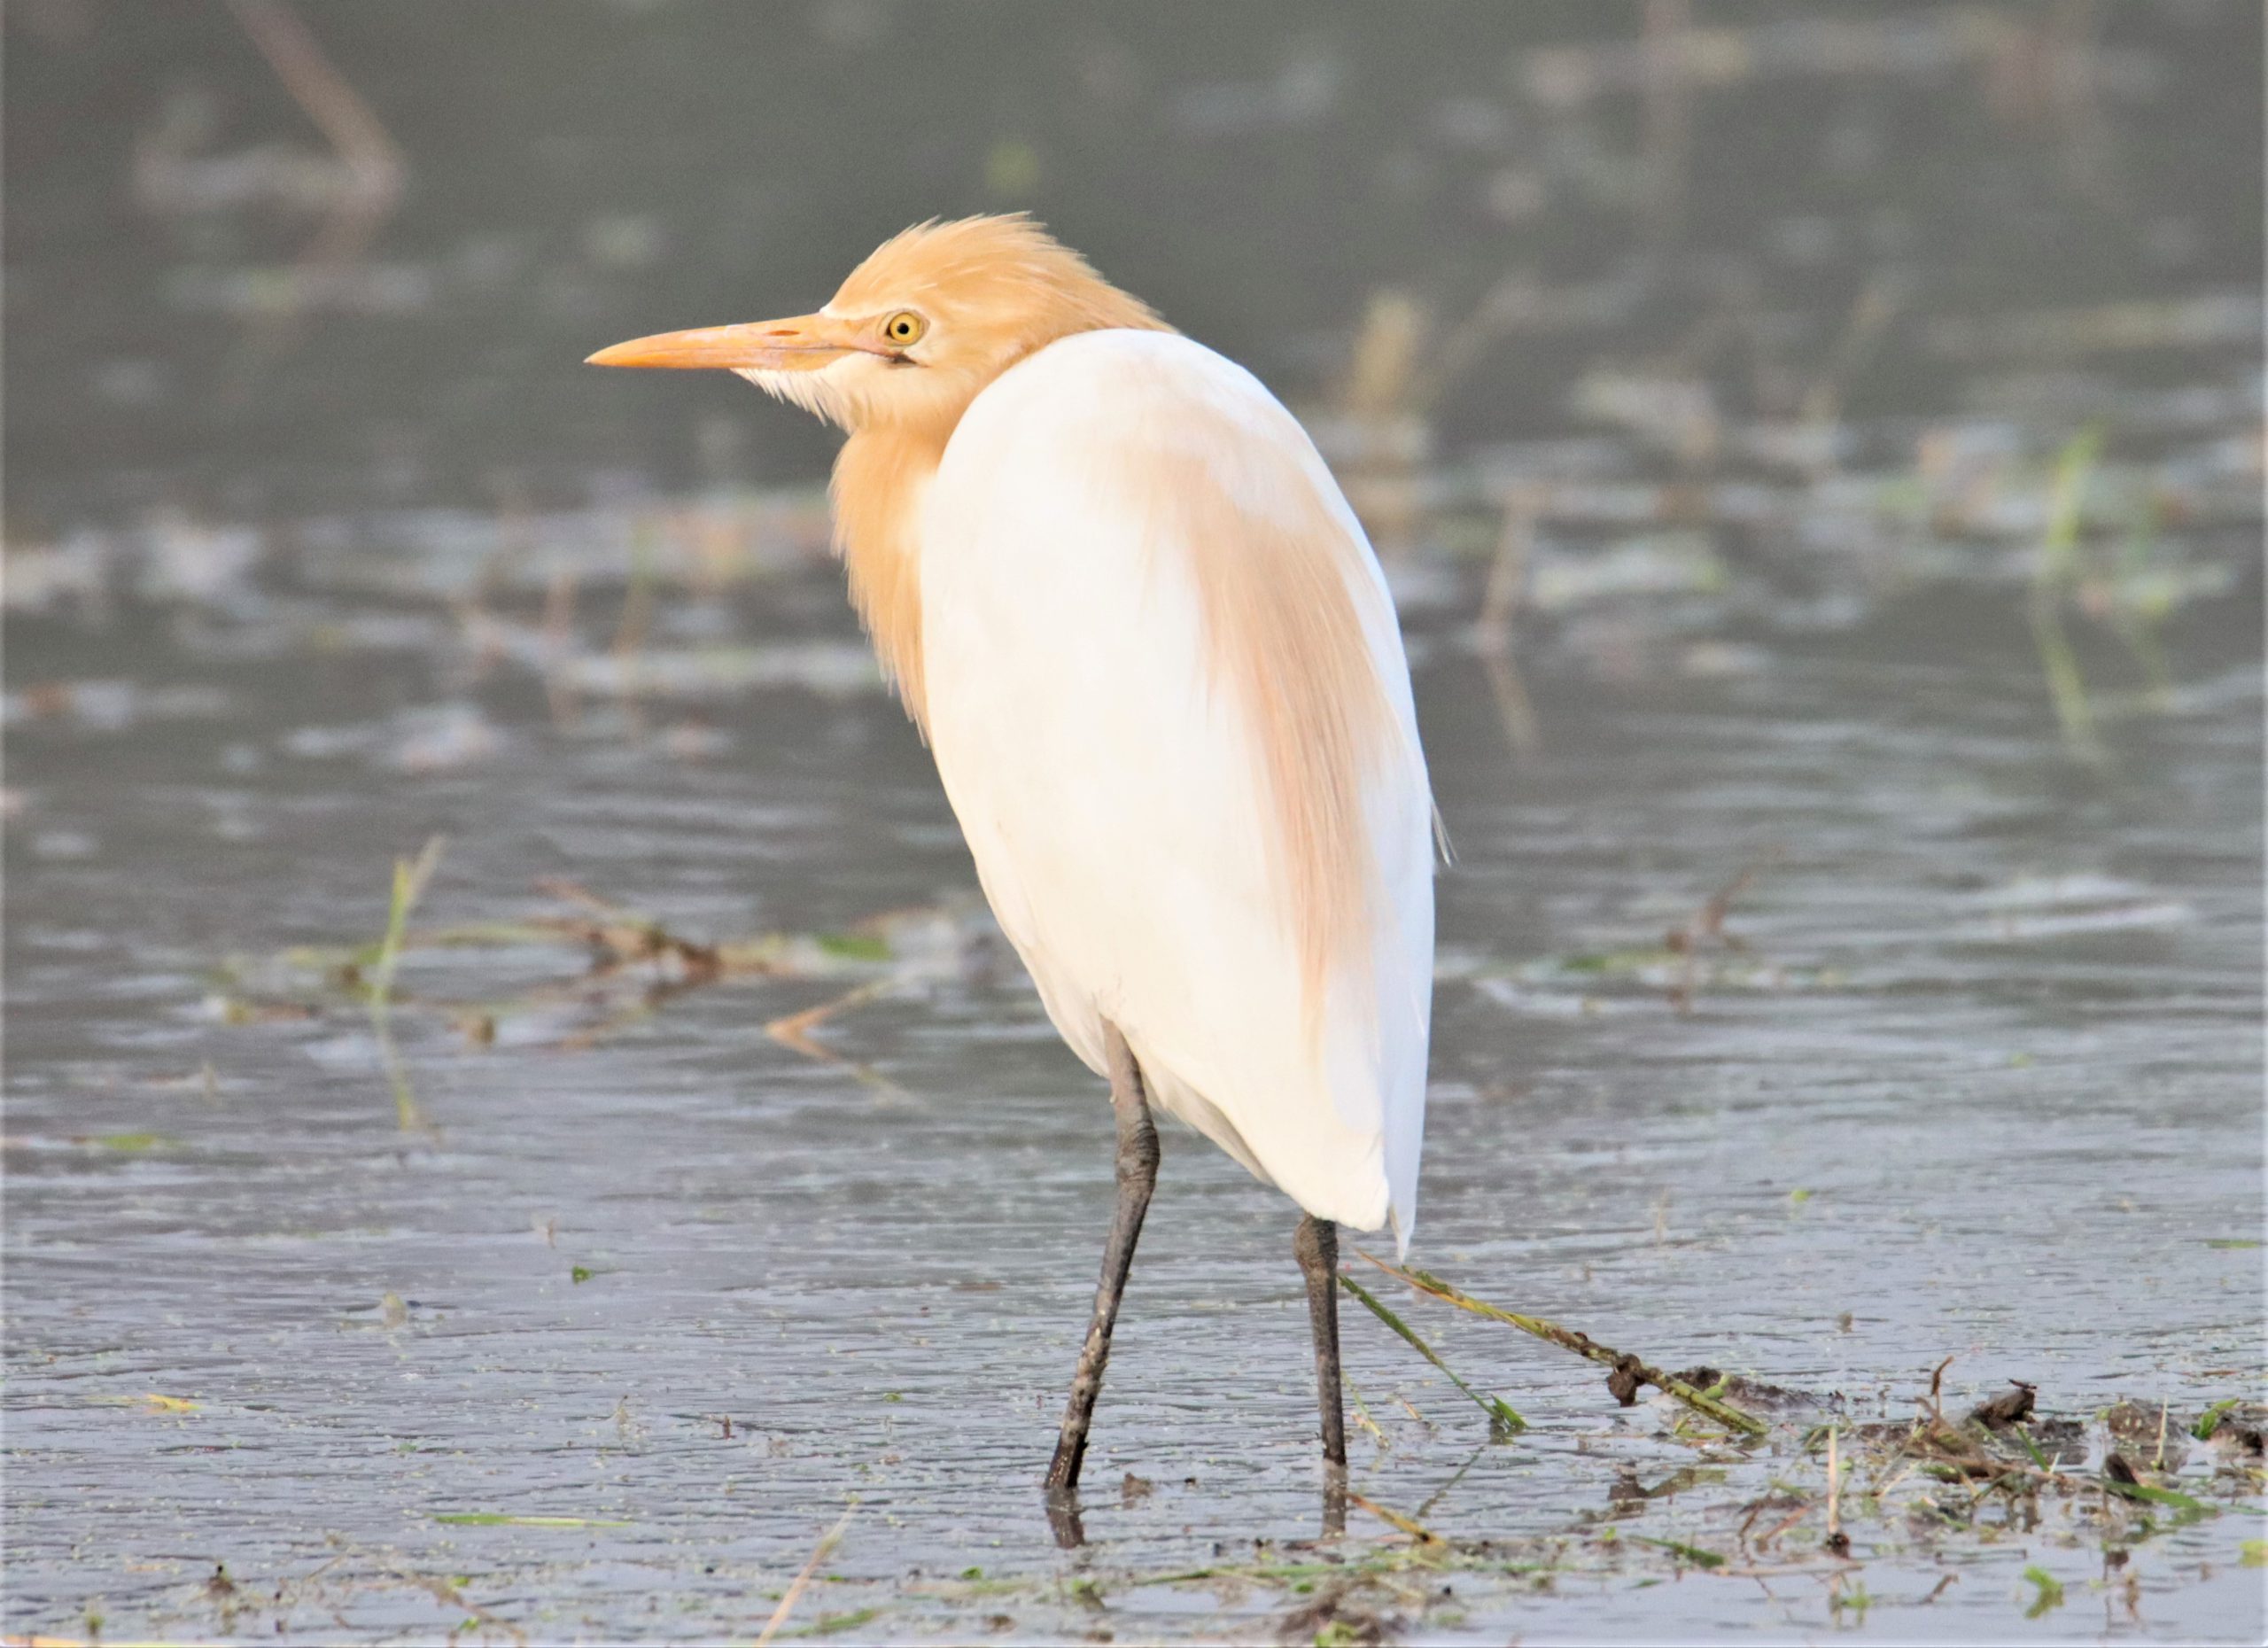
(1317, 1247)
(1138, 1176)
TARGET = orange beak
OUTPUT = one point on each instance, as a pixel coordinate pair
(802, 344)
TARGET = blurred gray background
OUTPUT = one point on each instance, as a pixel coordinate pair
(517, 1121)
(369, 277)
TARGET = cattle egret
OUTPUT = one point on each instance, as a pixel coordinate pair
(1116, 588)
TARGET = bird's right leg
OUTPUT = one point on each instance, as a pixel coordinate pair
(1137, 1175)
(1317, 1248)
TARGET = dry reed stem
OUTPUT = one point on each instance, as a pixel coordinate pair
(410, 877)
(1492, 629)
(1411, 1525)
(1836, 1541)
(820, 1552)
(353, 128)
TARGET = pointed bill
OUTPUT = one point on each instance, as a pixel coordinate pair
(803, 343)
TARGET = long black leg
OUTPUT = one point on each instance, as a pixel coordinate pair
(1137, 1175)
(1317, 1247)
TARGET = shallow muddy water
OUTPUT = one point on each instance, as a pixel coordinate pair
(1983, 1084)
(1852, 959)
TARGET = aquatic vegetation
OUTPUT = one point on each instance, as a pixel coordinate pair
(631, 965)
(1628, 1371)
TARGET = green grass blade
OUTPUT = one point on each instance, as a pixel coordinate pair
(1502, 1415)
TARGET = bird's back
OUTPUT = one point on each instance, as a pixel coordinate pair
(1170, 704)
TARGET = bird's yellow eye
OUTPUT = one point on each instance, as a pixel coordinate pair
(904, 327)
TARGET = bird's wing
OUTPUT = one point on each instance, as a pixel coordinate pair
(1170, 704)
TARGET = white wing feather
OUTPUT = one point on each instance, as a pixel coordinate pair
(1115, 802)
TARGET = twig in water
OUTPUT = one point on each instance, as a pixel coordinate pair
(628, 935)
(1837, 1541)
(2055, 573)
(1411, 1525)
(445, 1593)
(410, 877)
(819, 1553)
(1629, 1371)
(1876, 307)
(1501, 1415)
(1706, 925)
(1382, 412)
(373, 163)
(635, 965)
(1937, 1384)
(1492, 629)
(1785, 1523)
(644, 1006)
(1455, 1476)
(1363, 1411)
(794, 1032)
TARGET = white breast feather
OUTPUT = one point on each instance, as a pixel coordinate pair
(1111, 792)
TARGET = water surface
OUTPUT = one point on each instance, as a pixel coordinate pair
(576, 1305)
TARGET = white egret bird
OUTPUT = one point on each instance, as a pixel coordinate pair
(1118, 590)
